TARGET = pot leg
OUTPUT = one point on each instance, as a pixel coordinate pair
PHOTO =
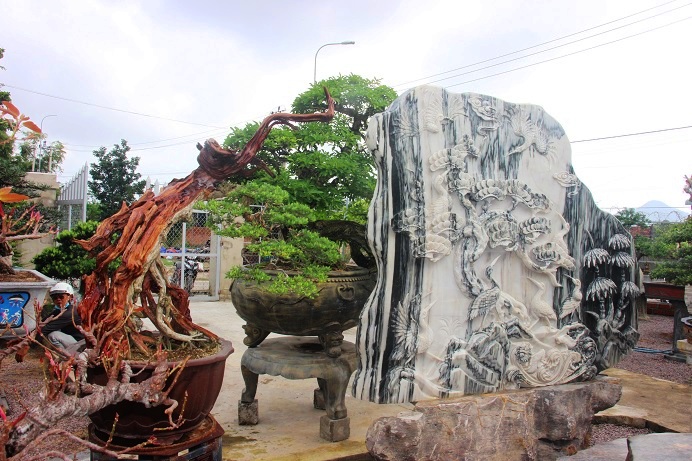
(254, 335)
(248, 407)
(250, 378)
(319, 393)
(334, 395)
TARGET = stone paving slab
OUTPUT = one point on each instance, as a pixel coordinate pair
(662, 405)
(660, 447)
(615, 450)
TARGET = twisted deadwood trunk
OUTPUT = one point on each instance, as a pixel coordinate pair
(133, 234)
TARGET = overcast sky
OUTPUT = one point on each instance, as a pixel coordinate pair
(165, 75)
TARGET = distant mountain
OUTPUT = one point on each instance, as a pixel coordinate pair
(658, 211)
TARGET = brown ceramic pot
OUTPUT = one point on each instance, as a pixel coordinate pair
(337, 307)
(201, 379)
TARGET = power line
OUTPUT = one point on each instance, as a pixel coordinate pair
(189, 141)
(570, 54)
(111, 108)
(632, 134)
(542, 44)
(641, 133)
(151, 142)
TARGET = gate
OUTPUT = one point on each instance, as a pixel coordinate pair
(190, 253)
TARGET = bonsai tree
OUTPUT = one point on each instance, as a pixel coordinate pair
(671, 243)
(315, 194)
(280, 234)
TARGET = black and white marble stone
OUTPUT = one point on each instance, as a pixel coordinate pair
(496, 268)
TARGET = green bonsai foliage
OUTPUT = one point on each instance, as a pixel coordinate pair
(280, 237)
(324, 166)
(313, 193)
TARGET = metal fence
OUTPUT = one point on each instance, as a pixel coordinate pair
(190, 253)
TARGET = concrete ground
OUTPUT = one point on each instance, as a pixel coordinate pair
(289, 427)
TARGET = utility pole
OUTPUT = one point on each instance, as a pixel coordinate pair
(33, 164)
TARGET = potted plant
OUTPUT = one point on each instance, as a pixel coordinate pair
(296, 280)
(304, 220)
(19, 220)
(106, 372)
(19, 290)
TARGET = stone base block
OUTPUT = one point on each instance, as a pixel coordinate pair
(248, 413)
(335, 430)
(685, 348)
(318, 400)
(539, 423)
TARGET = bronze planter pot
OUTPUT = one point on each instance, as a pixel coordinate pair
(201, 379)
(337, 308)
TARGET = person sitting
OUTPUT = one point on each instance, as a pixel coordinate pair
(62, 330)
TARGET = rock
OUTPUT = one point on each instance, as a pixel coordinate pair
(496, 269)
(527, 424)
(660, 447)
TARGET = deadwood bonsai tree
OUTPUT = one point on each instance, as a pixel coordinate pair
(110, 297)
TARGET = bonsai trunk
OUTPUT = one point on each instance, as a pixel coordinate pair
(133, 234)
(6, 258)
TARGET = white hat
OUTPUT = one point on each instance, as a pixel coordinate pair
(60, 288)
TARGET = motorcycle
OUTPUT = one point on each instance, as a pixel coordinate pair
(192, 268)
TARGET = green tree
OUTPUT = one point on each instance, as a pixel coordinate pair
(68, 260)
(324, 166)
(5, 145)
(629, 217)
(114, 178)
(12, 168)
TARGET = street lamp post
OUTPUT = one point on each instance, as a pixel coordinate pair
(314, 77)
(33, 164)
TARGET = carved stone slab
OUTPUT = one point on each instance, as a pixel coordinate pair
(496, 268)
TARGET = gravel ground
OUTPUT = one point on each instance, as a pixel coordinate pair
(656, 333)
(22, 383)
(601, 433)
